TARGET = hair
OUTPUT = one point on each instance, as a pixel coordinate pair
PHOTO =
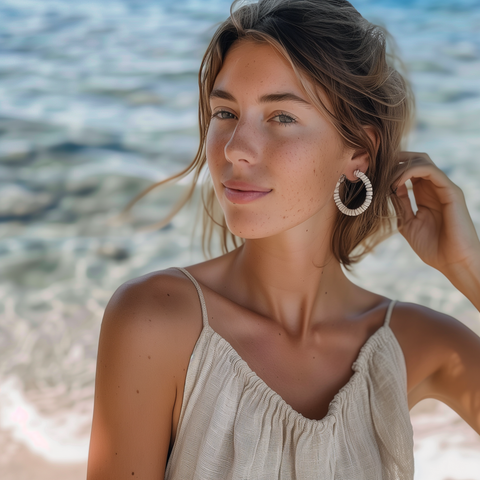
(331, 46)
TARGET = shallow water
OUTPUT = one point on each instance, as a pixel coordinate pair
(97, 100)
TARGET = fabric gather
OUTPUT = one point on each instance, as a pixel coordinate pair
(233, 426)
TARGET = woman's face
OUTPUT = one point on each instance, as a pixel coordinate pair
(265, 133)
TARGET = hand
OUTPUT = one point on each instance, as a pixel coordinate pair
(441, 232)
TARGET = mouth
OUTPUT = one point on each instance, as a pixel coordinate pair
(246, 190)
(237, 196)
(245, 187)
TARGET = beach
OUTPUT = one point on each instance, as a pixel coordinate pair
(97, 101)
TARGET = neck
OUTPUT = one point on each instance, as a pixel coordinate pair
(293, 279)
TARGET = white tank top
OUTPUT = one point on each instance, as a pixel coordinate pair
(232, 426)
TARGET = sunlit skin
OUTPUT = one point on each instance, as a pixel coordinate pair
(281, 300)
(292, 149)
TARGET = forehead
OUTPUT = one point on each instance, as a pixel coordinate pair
(259, 66)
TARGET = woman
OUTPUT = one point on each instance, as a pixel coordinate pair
(267, 362)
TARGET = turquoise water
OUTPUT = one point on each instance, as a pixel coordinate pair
(97, 100)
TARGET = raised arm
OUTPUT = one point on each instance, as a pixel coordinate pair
(135, 387)
(443, 235)
(441, 232)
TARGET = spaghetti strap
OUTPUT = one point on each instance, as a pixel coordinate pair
(389, 313)
(200, 295)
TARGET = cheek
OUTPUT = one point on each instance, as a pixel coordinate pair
(310, 170)
(214, 148)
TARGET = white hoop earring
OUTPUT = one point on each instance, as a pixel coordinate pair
(368, 197)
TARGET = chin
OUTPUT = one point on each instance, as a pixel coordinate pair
(252, 226)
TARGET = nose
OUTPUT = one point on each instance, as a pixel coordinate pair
(242, 146)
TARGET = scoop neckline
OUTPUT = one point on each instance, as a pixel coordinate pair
(337, 400)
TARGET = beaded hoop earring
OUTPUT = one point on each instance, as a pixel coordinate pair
(368, 197)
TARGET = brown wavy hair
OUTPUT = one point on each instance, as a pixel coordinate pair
(331, 46)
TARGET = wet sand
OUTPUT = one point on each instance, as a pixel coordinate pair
(17, 462)
(446, 447)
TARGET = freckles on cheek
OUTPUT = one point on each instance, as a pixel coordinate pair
(215, 151)
(296, 175)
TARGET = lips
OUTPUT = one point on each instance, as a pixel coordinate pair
(241, 197)
(245, 187)
(241, 192)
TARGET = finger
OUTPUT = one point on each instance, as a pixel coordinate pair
(425, 172)
(408, 160)
(407, 215)
(416, 158)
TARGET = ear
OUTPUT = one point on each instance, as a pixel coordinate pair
(360, 158)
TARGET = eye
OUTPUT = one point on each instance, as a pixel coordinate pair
(285, 119)
(223, 115)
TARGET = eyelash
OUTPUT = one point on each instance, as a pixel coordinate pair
(281, 114)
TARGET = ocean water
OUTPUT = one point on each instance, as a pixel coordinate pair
(97, 101)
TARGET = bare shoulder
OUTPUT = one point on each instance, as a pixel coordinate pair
(413, 320)
(149, 328)
(157, 316)
(432, 342)
(165, 300)
(161, 311)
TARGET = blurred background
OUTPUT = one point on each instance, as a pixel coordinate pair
(98, 99)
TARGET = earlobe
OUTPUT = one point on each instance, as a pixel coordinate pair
(360, 159)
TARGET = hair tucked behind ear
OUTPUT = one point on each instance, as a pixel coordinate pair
(332, 47)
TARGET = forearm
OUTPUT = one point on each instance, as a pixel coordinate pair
(466, 278)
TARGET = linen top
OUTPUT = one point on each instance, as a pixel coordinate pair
(232, 426)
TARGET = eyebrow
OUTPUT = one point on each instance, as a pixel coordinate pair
(269, 98)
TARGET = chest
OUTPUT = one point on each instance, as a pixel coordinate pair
(306, 374)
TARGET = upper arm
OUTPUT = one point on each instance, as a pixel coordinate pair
(443, 360)
(135, 385)
(457, 380)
